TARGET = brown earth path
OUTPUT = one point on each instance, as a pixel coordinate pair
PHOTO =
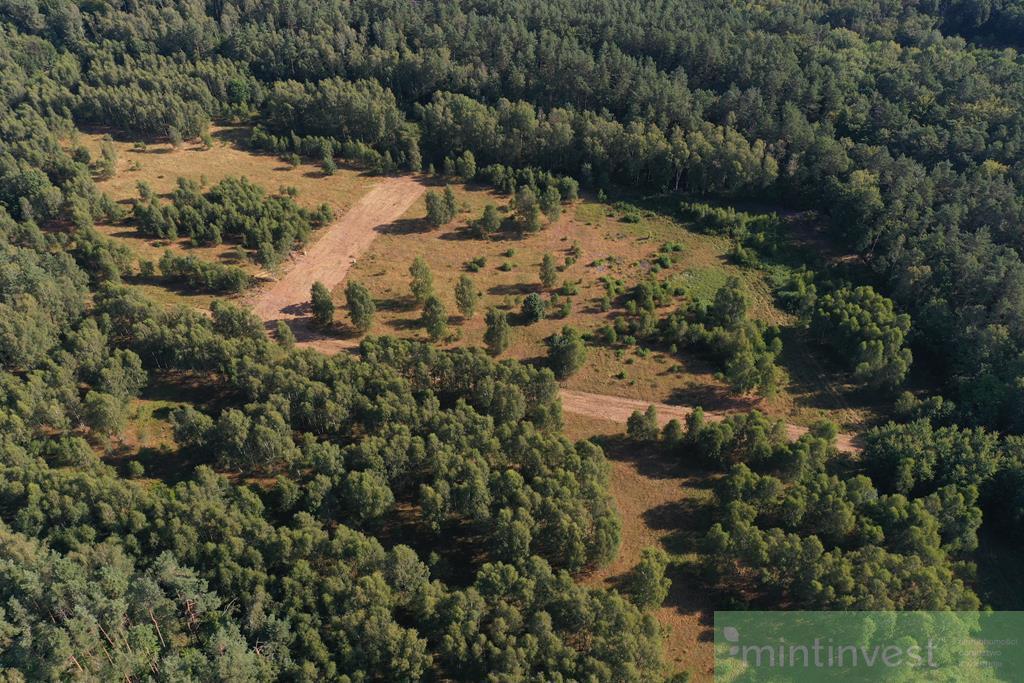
(330, 257)
(619, 409)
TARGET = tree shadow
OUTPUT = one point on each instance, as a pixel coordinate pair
(406, 226)
(516, 289)
(461, 235)
(397, 304)
(405, 324)
(686, 520)
(711, 397)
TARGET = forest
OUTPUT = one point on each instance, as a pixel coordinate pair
(407, 512)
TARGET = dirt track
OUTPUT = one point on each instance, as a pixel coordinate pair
(330, 257)
(619, 409)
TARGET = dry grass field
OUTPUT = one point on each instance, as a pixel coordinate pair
(608, 247)
(160, 165)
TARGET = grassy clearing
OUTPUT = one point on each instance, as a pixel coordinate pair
(609, 247)
(161, 165)
(662, 503)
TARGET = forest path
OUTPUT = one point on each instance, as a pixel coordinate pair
(329, 258)
(619, 409)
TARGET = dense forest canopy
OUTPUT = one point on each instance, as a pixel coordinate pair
(901, 123)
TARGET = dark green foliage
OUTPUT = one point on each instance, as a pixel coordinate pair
(498, 333)
(196, 274)
(534, 308)
(489, 223)
(647, 585)
(643, 426)
(233, 208)
(422, 282)
(441, 208)
(909, 154)
(435, 318)
(466, 296)
(567, 352)
(863, 328)
(792, 531)
(360, 305)
(465, 166)
(548, 272)
(527, 210)
(322, 305)
(284, 335)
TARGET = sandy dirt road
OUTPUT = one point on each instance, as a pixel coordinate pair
(330, 257)
(619, 409)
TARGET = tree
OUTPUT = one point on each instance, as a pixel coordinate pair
(366, 495)
(534, 308)
(489, 223)
(527, 210)
(466, 296)
(548, 272)
(643, 426)
(328, 164)
(864, 329)
(105, 414)
(285, 336)
(438, 213)
(567, 352)
(451, 207)
(498, 333)
(107, 164)
(729, 307)
(360, 306)
(648, 586)
(422, 283)
(322, 304)
(551, 203)
(435, 318)
(465, 166)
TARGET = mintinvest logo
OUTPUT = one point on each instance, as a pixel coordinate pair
(824, 653)
(868, 646)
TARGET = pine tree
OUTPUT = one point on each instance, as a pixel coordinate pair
(489, 223)
(548, 272)
(648, 586)
(466, 296)
(422, 284)
(360, 306)
(435, 318)
(567, 352)
(323, 305)
(498, 332)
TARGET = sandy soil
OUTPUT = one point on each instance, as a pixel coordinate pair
(619, 409)
(330, 257)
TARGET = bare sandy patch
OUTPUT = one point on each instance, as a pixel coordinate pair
(329, 259)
